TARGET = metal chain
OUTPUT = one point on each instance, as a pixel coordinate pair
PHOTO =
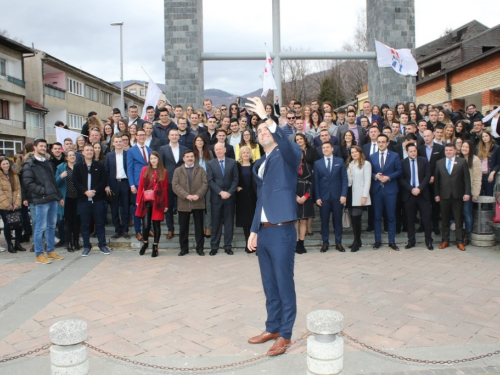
(417, 360)
(170, 368)
(44, 347)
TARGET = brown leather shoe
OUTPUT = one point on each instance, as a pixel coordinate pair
(461, 247)
(444, 245)
(263, 337)
(138, 236)
(170, 234)
(279, 347)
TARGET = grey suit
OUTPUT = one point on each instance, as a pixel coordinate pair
(222, 209)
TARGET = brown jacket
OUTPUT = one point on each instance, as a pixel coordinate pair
(181, 188)
(6, 192)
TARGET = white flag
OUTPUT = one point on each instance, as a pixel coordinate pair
(268, 82)
(401, 60)
(152, 97)
(62, 134)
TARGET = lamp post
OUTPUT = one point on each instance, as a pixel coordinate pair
(122, 102)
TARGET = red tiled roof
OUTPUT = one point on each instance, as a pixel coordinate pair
(36, 105)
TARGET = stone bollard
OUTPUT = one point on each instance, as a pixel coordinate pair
(325, 350)
(68, 356)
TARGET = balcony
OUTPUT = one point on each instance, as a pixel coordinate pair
(15, 123)
(16, 81)
(34, 132)
(55, 91)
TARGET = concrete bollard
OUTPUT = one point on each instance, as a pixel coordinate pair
(68, 356)
(325, 350)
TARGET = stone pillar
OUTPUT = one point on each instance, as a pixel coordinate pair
(68, 355)
(391, 22)
(183, 48)
(325, 350)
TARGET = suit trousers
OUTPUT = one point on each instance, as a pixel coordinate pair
(222, 215)
(381, 202)
(121, 202)
(169, 215)
(334, 207)
(455, 205)
(97, 210)
(435, 208)
(137, 219)
(184, 229)
(411, 206)
(276, 252)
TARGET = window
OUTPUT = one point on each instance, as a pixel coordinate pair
(3, 68)
(75, 121)
(75, 87)
(133, 92)
(105, 98)
(4, 109)
(143, 92)
(431, 69)
(10, 147)
(91, 93)
(33, 120)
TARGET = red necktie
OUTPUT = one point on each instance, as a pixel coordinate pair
(144, 155)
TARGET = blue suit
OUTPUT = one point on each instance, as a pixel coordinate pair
(384, 196)
(276, 244)
(329, 186)
(135, 163)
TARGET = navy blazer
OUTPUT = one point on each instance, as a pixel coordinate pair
(218, 182)
(135, 162)
(110, 167)
(377, 118)
(317, 141)
(437, 153)
(424, 176)
(168, 160)
(276, 190)
(366, 148)
(330, 184)
(392, 169)
(337, 152)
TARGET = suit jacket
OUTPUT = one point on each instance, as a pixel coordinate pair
(454, 185)
(337, 152)
(437, 153)
(229, 151)
(138, 121)
(330, 184)
(168, 160)
(374, 118)
(392, 169)
(182, 188)
(276, 189)
(398, 148)
(135, 162)
(361, 132)
(366, 149)
(424, 176)
(218, 182)
(98, 180)
(187, 139)
(155, 144)
(333, 139)
(110, 167)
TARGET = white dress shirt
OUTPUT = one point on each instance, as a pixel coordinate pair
(263, 217)
(120, 171)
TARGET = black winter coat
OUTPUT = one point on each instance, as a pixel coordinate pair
(39, 180)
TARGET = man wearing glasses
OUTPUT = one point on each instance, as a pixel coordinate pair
(289, 128)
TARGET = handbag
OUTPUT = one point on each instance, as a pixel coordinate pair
(346, 218)
(496, 218)
(14, 220)
(149, 195)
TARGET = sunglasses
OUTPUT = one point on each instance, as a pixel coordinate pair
(291, 118)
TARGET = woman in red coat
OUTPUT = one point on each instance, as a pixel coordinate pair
(154, 183)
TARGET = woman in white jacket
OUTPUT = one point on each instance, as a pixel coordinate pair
(359, 172)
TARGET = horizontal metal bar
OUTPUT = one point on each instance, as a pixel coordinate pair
(296, 55)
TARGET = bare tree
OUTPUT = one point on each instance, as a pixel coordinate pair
(5, 33)
(293, 76)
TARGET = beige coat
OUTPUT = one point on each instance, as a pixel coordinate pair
(476, 176)
(182, 190)
(6, 192)
(361, 182)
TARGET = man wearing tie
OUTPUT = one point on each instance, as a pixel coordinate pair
(415, 193)
(222, 175)
(386, 169)
(330, 186)
(452, 187)
(273, 232)
(137, 157)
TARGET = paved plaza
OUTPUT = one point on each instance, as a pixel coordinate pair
(200, 311)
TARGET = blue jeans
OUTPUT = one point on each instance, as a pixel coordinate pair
(137, 219)
(97, 210)
(468, 218)
(46, 219)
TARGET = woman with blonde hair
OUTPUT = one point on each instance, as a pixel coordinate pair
(489, 154)
(247, 139)
(359, 173)
(474, 163)
(81, 141)
(94, 122)
(201, 116)
(306, 116)
(444, 117)
(449, 134)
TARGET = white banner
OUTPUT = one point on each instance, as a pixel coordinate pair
(62, 134)
(152, 97)
(401, 60)
(268, 82)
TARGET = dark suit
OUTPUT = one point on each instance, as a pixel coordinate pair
(384, 195)
(337, 152)
(317, 141)
(411, 202)
(276, 178)
(229, 151)
(329, 186)
(451, 188)
(374, 118)
(155, 144)
(168, 160)
(222, 209)
(138, 121)
(437, 153)
(120, 192)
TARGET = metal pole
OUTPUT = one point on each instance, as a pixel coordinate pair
(122, 97)
(277, 49)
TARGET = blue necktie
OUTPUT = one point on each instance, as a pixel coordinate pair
(222, 166)
(448, 167)
(382, 161)
(413, 175)
(328, 165)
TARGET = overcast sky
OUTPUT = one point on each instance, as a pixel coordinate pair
(80, 34)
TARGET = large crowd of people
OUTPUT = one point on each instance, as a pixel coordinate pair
(407, 165)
